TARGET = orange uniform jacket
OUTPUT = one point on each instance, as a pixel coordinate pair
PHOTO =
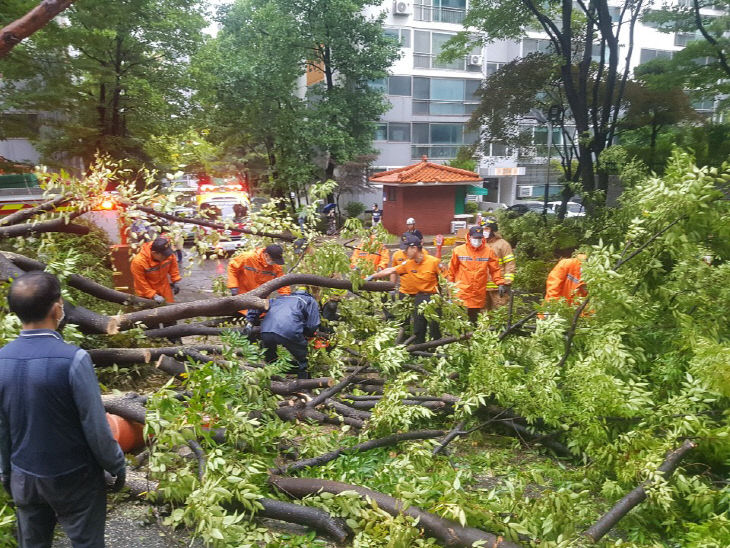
(399, 257)
(249, 270)
(379, 260)
(154, 278)
(506, 259)
(564, 281)
(470, 269)
(420, 277)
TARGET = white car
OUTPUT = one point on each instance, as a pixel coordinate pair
(574, 209)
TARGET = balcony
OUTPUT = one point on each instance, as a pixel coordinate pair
(433, 14)
(436, 152)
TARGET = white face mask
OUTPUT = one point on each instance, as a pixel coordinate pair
(487, 233)
(475, 242)
(63, 315)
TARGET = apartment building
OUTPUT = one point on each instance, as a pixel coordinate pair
(432, 100)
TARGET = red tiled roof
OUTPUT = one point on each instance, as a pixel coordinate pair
(426, 172)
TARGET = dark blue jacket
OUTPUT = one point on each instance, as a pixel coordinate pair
(292, 316)
(52, 421)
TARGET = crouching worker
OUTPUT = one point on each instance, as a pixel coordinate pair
(288, 322)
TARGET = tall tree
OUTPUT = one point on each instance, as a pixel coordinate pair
(109, 77)
(585, 41)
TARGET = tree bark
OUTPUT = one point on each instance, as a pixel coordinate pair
(188, 330)
(230, 305)
(103, 357)
(35, 19)
(130, 406)
(448, 532)
(393, 439)
(636, 496)
(25, 214)
(84, 284)
(56, 225)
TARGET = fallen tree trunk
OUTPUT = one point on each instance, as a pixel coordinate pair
(448, 532)
(210, 224)
(103, 357)
(83, 284)
(189, 330)
(89, 322)
(255, 298)
(314, 518)
(636, 496)
(25, 214)
(130, 406)
(55, 225)
(393, 439)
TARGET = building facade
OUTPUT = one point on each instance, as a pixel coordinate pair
(433, 100)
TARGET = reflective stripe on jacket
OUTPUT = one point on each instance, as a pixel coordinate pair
(470, 268)
(379, 260)
(249, 270)
(565, 281)
(506, 260)
(152, 277)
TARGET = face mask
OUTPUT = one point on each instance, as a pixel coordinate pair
(487, 233)
(475, 242)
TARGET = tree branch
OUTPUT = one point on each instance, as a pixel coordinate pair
(12, 34)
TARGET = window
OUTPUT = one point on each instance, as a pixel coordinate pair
(441, 11)
(651, 54)
(399, 133)
(381, 84)
(399, 85)
(426, 48)
(704, 105)
(381, 132)
(402, 36)
(536, 45)
(493, 67)
(390, 194)
(440, 141)
(684, 38)
(444, 96)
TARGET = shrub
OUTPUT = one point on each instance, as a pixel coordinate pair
(471, 207)
(354, 209)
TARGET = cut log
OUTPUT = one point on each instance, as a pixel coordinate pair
(448, 532)
(130, 406)
(84, 284)
(299, 385)
(103, 357)
(637, 496)
(393, 439)
(88, 321)
(24, 214)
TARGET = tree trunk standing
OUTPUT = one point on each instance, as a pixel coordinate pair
(101, 108)
(329, 172)
(116, 129)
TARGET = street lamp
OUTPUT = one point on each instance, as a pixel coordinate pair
(555, 113)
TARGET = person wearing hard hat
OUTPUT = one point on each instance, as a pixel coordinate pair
(411, 227)
(155, 271)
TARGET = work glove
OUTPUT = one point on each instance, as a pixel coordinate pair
(5, 480)
(234, 291)
(503, 290)
(120, 480)
(159, 299)
(175, 288)
(369, 278)
(252, 316)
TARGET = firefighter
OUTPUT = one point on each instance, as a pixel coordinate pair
(472, 265)
(411, 225)
(249, 270)
(289, 320)
(419, 278)
(506, 259)
(371, 252)
(565, 281)
(155, 271)
(399, 256)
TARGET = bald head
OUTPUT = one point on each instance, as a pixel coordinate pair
(32, 296)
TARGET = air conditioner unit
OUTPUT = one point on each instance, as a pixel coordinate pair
(401, 8)
(524, 191)
(475, 60)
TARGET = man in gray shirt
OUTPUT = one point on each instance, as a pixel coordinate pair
(55, 441)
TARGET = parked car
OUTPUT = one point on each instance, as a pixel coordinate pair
(521, 208)
(574, 209)
(491, 206)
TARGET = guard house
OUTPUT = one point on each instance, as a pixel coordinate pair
(430, 193)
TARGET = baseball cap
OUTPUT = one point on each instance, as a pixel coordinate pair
(276, 253)
(476, 232)
(161, 245)
(407, 240)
